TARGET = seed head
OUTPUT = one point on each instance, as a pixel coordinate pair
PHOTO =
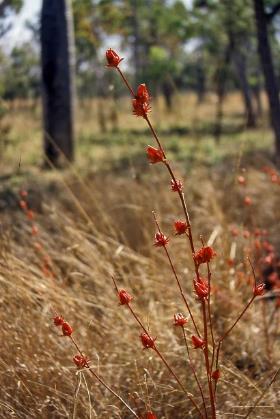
(216, 375)
(113, 59)
(143, 95)
(80, 361)
(180, 319)
(139, 108)
(204, 255)
(201, 288)
(147, 341)
(161, 240)
(124, 297)
(66, 329)
(177, 185)
(259, 289)
(154, 155)
(58, 320)
(197, 342)
(180, 227)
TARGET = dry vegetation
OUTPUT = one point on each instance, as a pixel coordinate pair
(99, 224)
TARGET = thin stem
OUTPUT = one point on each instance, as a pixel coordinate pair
(209, 275)
(189, 396)
(98, 378)
(238, 318)
(126, 82)
(193, 371)
(263, 394)
(207, 364)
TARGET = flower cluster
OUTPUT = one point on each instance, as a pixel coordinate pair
(147, 341)
(180, 320)
(204, 255)
(160, 240)
(81, 361)
(201, 288)
(141, 102)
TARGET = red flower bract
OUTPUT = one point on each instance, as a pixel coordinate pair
(176, 185)
(160, 240)
(58, 320)
(147, 341)
(140, 108)
(143, 95)
(216, 375)
(66, 329)
(80, 361)
(197, 342)
(259, 290)
(154, 155)
(204, 255)
(180, 227)
(150, 415)
(180, 319)
(124, 297)
(113, 59)
(201, 288)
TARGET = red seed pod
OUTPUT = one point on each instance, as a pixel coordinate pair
(201, 288)
(204, 255)
(160, 240)
(177, 185)
(66, 329)
(259, 290)
(147, 341)
(154, 155)
(139, 108)
(80, 361)
(180, 319)
(216, 375)
(113, 59)
(150, 415)
(58, 320)
(143, 95)
(124, 297)
(197, 342)
(180, 227)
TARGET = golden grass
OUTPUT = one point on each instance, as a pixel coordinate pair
(102, 225)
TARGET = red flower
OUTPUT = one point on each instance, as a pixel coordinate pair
(160, 240)
(139, 108)
(197, 342)
(147, 341)
(58, 320)
(154, 155)
(180, 319)
(150, 415)
(176, 186)
(80, 361)
(143, 95)
(66, 329)
(203, 255)
(201, 288)
(247, 201)
(216, 375)
(113, 58)
(241, 180)
(180, 227)
(124, 297)
(259, 290)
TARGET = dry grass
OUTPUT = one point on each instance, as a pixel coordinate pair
(102, 225)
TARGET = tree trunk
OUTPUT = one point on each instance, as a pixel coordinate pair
(58, 75)
(268, 70)
(240, 66)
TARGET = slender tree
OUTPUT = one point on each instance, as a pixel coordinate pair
(271, 84)
(58, 64)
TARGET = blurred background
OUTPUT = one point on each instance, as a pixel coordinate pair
(212, 68)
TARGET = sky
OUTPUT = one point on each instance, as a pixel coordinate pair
(31, 8)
